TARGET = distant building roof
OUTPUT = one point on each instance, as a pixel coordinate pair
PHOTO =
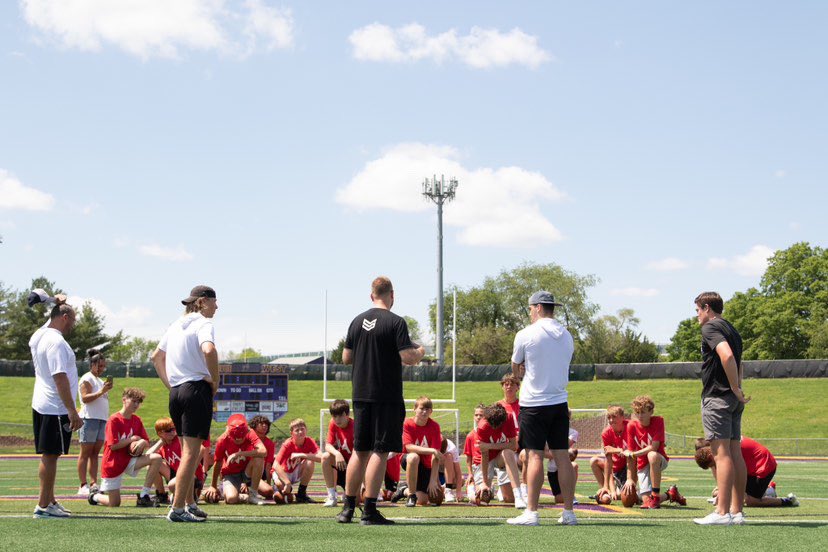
(299, 360)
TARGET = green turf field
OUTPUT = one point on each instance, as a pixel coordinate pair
(769, 414)
(450, 527)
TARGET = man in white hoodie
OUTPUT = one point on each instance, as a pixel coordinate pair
(54, 415)
(541, 357)
(186, 360)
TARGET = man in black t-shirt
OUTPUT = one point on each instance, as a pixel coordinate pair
(722, 405)
(377, 345)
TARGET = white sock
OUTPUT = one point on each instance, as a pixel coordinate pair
(193, 505)
(570, 511)
(145, 491)
(97, 497)
(332, 492)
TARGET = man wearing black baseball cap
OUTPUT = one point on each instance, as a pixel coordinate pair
(186, 360)
(541, 357)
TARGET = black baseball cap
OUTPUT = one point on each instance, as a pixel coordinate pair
(199, 291)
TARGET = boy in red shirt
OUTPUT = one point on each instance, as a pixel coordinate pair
(124, 448)
(261, 425)
(493, 447)
(644, 443)
(338, 448)
(421, 442)
(612, 439)
(761, 467)
(170, 452)
(472, 452)
(295, 462)
(239, 460)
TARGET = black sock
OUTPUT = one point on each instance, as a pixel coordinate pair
(303, 490)
(657, 491)
(451, 486)
(350, 502)
(787, 502)
(370, 506)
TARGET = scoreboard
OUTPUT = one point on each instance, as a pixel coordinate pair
(251, 389)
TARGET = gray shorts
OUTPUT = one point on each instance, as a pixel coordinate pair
(92, 431)
(722, 417)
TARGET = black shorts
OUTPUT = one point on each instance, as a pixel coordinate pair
(553, 480)
(340, 478)
(378, 426)
(620, 478)
(756, 487)
(191, 408)
(545, 425)
(50, 437)
(423, 477)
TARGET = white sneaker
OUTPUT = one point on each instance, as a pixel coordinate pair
(255, 499)
(737, 519)
(55, 511)
(526, 518)
(499, 494)
(330, 502)
(714, 518)
(83, 491)
(60, 507)
(450, 496)
(520, 504)
(568, 518)
(793, 499)
(42, 513)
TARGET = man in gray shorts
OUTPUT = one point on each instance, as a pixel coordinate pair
(722, 405)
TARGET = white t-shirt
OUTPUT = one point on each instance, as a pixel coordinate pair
(545, 348)
(99, 408)
(182, 343)
(52, 355)
(452, 454)
(573, 440)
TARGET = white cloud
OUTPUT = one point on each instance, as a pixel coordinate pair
(752, 263)
(634, 292)
(166, 253)
(160, 28)
(668, 264)
(15, 195)
(127, 318)
(781, 173)
(481, 48)
(499, 207)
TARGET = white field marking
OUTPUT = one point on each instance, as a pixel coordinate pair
(472, 520)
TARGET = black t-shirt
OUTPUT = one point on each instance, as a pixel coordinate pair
(376, 338)
(714, 379)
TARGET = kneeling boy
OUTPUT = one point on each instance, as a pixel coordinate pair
(421, 442)
(239, 461)
(295, 462)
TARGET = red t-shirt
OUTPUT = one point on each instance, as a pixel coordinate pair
(428, 436)
(289, 447)
(638, 437)
(758, 459)
(119, 428)
(609, 438)
(342, 439)
(172, 456)
(226, 446)
(392, 467)
(487, 434)
(270, 448)
(513, 411)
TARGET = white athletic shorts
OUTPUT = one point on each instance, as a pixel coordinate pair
(114, 483)
(644, 483)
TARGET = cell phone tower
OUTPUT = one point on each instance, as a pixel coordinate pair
(440, 192)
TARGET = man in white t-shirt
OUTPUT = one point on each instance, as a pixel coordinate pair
(54, 415)
(186, 360)
(541, 357)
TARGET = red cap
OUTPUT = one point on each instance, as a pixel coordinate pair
(237, 426)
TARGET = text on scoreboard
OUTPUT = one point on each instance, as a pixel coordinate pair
(252, 389)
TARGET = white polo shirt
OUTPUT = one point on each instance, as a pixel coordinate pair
(546, 349)
(182, 343)
(51, 355)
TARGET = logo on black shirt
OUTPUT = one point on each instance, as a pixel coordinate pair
(369, 325)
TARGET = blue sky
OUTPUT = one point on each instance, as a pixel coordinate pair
(275, 150)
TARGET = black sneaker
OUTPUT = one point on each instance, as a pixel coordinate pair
(196, 511)
(91, 499)
(184, 516)
(305, 499)
(345, 516)
(162, 498)
(375, 519)
(399, 493)
(145, 501)
(412, 501)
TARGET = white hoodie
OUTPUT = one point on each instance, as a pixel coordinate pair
(182, 343)
(546, 349)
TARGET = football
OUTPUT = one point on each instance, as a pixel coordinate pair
(573, 454)
(604, 498)
(279, 498)
(137, 448)
(629, 498)
(438, 497)
(484, 496)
